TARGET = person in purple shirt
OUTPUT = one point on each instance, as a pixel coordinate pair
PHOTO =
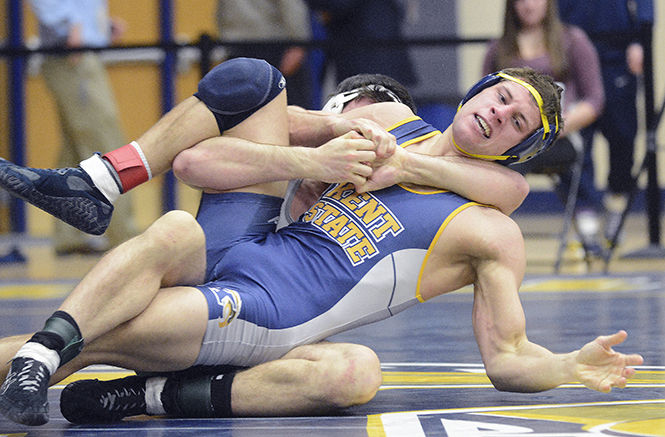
(534, 36)
(614, 26)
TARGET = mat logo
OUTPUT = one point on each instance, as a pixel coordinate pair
(622, 418)
(356, 221)
(229, 303)
(475, 427)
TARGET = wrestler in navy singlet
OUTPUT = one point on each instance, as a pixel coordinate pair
(350, 260)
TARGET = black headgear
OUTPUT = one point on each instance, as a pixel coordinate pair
(536, 143)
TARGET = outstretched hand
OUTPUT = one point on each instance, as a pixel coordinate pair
(599, 367)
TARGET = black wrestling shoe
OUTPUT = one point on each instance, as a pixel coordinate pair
(66, 193)
(94, 401)
(23, 396)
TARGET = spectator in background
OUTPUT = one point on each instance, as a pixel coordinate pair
(270, 21)
(85, 103)
(350, 24)
(534, 36)
(613, 26)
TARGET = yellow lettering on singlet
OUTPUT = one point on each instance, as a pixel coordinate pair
(333, 227)
(311, 213)
(390, 224)
(327, 211)
(340, 191)
(370, 211)
(352, 231)
(361, 250)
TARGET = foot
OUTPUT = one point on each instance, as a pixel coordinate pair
(93, 401)
(66, 193)
(23, 396)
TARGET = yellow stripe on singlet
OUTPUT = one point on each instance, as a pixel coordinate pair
(403, 122)
(434, 241)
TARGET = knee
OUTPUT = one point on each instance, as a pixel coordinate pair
(355, 378)
(185, 166)
(174, 231)
(234, 89)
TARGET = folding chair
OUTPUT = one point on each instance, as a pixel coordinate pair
(565, 155)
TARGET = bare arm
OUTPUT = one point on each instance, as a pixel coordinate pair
(512, 362)
(309, 128)
(482, 181)
(224, 163)
(313, 128)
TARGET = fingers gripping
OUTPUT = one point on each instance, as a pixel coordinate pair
(384, 142)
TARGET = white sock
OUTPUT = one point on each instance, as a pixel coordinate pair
(153, 396)
(101, 177)
(39, 352)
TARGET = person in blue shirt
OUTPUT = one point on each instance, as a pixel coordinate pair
(614, 27)
(84, 100)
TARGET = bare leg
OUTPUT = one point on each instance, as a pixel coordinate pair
(166, 336)
(189, 123)
(83, 196)
(226, 162)
(310, 379)
(125, 281)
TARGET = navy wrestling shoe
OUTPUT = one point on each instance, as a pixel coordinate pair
(92, 401)
(66, 193)
(23, 395)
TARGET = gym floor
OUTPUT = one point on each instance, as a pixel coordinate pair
(433, 380)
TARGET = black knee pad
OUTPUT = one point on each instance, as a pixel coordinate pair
(237, 88)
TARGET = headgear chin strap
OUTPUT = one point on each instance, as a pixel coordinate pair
(536, 143)
(336, 103)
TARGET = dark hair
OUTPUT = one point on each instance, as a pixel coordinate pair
(362, 80)
(549, 91)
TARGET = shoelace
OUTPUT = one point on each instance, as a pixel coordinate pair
(29, 379)
(108, 399)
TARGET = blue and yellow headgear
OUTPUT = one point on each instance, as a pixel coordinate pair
(536, 143)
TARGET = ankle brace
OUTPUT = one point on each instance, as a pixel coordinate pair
(188, 396)
(61, 325)
(220, 393)
(130, 164)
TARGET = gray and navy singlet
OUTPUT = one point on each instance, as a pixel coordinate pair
(350, 260)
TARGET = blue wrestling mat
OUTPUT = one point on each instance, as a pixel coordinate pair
(433, 380)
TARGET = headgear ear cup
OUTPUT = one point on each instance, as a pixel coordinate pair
(485, 82)
(336, 103)
(537, 142)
